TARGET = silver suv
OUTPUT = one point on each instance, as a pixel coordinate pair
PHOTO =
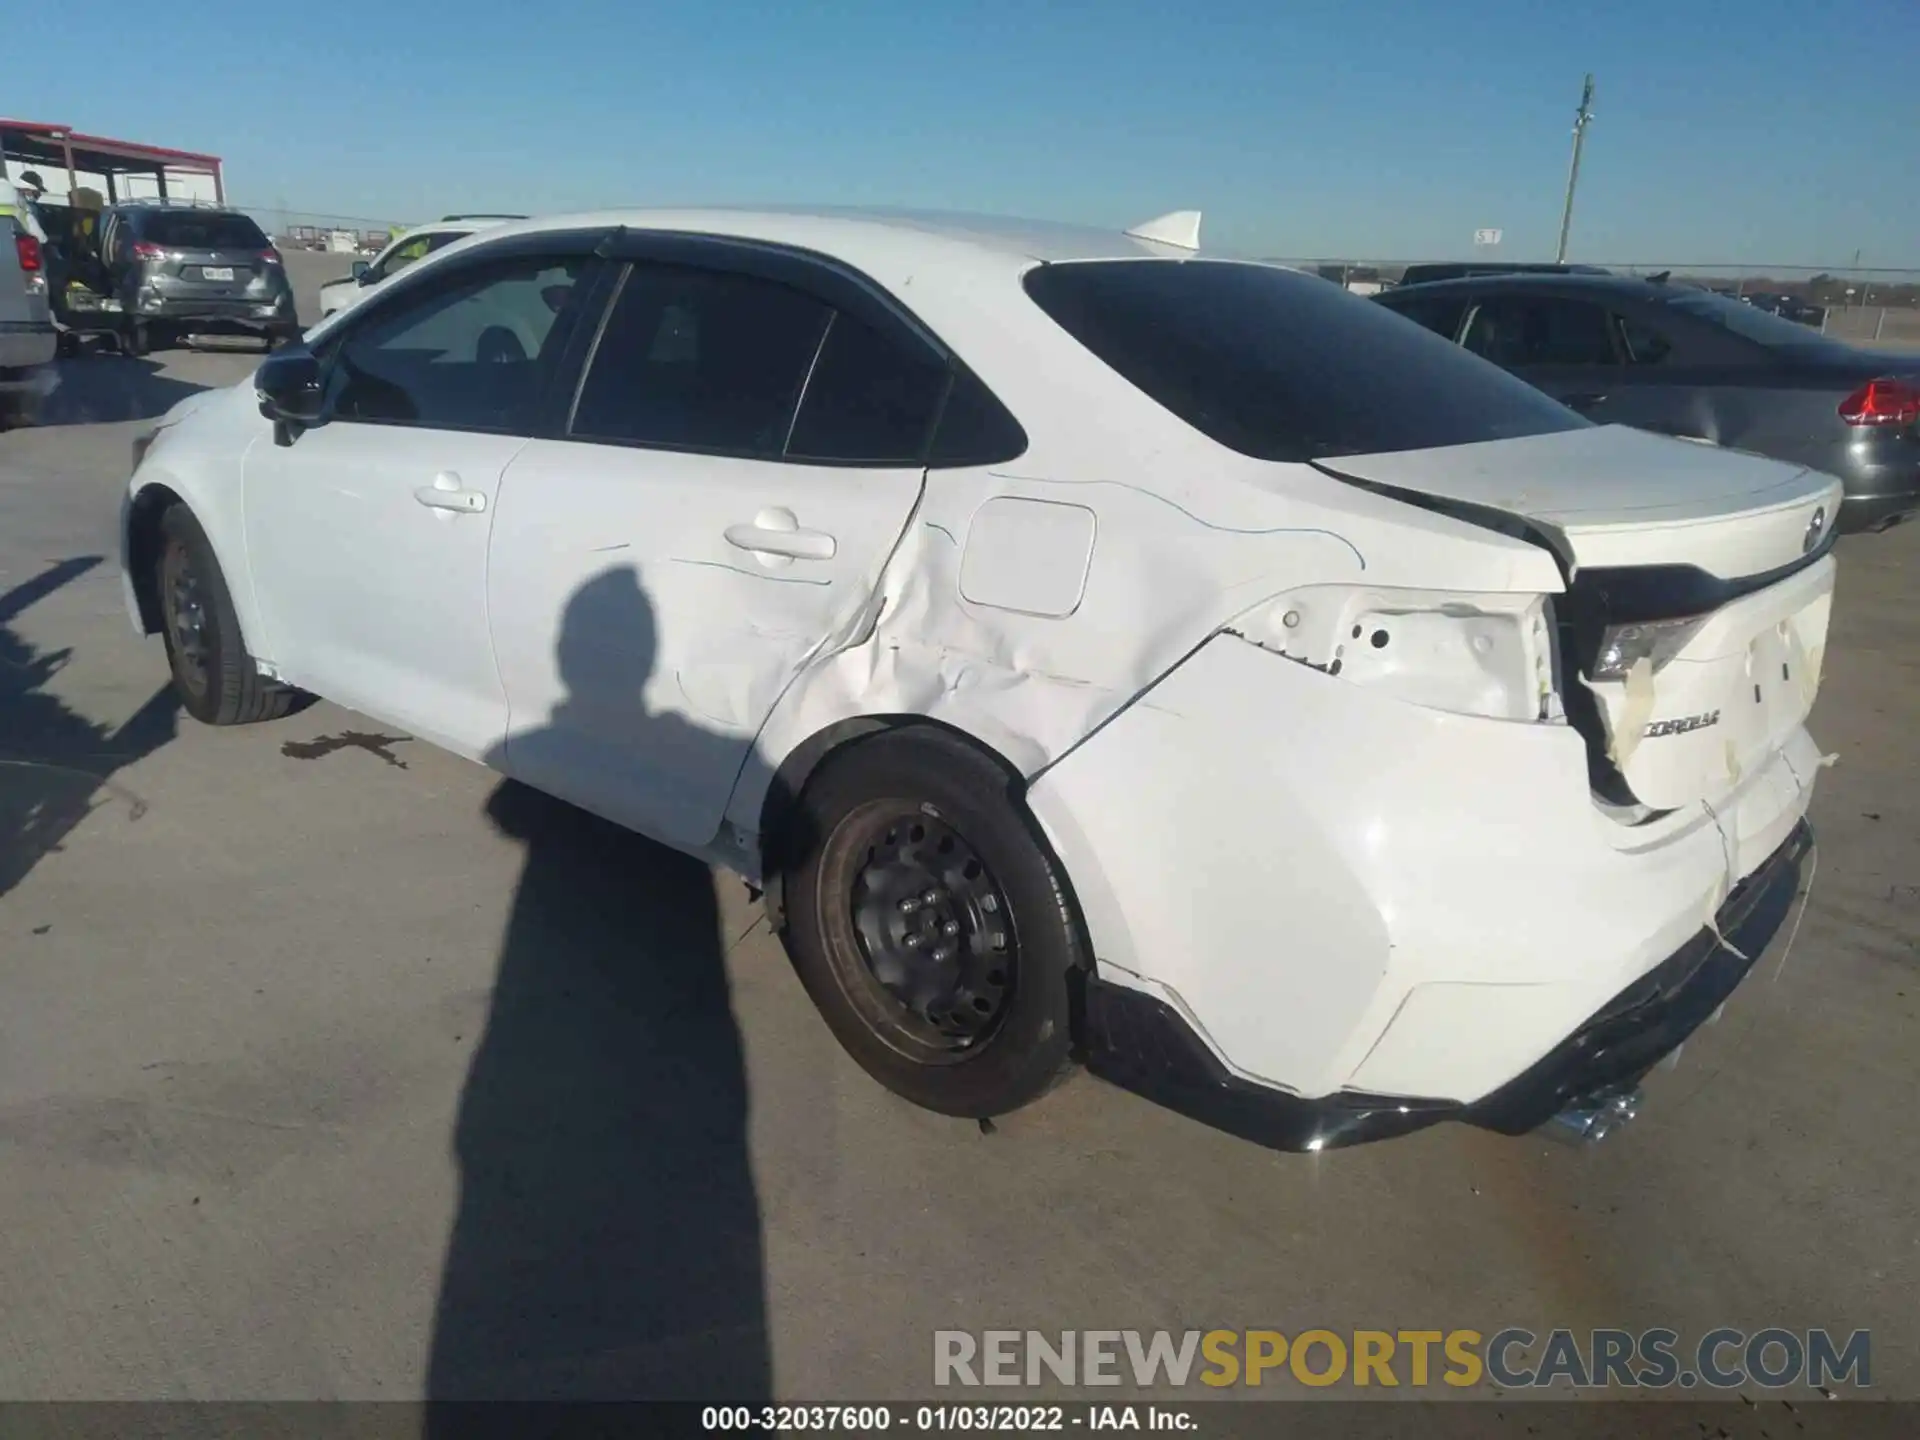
(178, 270)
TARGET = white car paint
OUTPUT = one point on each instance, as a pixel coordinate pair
(1347, 869)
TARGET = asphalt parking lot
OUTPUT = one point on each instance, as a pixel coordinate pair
(332, 1068)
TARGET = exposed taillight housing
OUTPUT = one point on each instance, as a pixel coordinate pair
(147, 250)
(269, 256)
(1882, 402)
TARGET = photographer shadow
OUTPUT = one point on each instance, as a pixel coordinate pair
(607, 1243)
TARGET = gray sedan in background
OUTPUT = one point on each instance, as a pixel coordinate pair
(1688, 362)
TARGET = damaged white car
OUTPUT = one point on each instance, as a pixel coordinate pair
(1098, 653)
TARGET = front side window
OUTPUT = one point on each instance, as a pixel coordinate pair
(1283, 366)
(1514, 331)
(695, 359)
(1442, 316)
(463, 355)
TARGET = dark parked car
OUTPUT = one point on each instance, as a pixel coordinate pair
(179, 270)
(1687, 362)
(1460, 269)
(1788, 307)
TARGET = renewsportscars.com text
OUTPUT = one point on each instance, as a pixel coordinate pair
(1512, 1359)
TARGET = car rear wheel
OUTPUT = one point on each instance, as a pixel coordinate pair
(136, 340)
(932, 925)
(213, 675)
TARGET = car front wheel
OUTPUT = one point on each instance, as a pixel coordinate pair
(213, 675)
(932, 925)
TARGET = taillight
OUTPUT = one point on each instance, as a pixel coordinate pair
(1882, 402)
(270, 256)
(29, 249)
(147, 250)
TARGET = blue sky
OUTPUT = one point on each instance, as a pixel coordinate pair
(1770, 130)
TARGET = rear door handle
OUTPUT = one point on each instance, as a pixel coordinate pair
(776, 532)
(447, 493)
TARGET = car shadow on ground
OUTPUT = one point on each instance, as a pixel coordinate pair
(607, 1242)
(103, 387)
(55, 765)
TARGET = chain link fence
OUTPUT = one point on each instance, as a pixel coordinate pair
(1867, 305)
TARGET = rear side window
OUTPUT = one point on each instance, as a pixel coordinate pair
(202, 230)
(700, 360)
(1282, 366)
(975, 428)
(1644, 344)
(869, 400)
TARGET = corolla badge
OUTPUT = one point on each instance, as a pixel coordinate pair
(1816, 527)
(1681, 725)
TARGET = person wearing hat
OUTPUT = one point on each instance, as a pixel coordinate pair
(17, 200)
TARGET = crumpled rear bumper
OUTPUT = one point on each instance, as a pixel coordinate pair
(1140, 1043)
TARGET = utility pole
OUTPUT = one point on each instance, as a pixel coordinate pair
(1583, 117)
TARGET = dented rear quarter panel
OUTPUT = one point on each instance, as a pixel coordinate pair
(945, 637)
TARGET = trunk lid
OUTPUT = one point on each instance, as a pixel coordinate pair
(1699, 587)
(1608, 496)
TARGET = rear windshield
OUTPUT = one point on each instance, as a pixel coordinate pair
(1283, 366)
(1749, 322)
(198, 230)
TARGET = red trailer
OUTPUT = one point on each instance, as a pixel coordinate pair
(36, 145)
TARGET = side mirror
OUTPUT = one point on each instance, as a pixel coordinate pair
(359, 270)
(291, 387)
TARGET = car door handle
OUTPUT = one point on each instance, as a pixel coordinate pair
(777, 532)
(447, 493)
(1585, 401)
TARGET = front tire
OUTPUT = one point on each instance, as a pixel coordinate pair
(932, 925)
(213, 675)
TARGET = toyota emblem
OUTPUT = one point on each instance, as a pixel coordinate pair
(1815, 527)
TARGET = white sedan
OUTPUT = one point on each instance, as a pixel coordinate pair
(400, 252)
(1098, 653)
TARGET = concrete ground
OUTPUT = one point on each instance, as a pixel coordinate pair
(331, 1068)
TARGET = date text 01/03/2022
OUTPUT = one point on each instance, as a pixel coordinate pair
(874, 1419)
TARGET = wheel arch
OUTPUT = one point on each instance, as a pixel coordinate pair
(788, 781)
(210, 491)
(142, 549)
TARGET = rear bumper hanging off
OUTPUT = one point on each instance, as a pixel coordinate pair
(1142, 1044)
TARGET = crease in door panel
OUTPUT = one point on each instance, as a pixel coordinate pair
(486, 598)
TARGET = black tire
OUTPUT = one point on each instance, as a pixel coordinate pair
(67, 345)
(213, 675)
(136, 340)
(996, 1031)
